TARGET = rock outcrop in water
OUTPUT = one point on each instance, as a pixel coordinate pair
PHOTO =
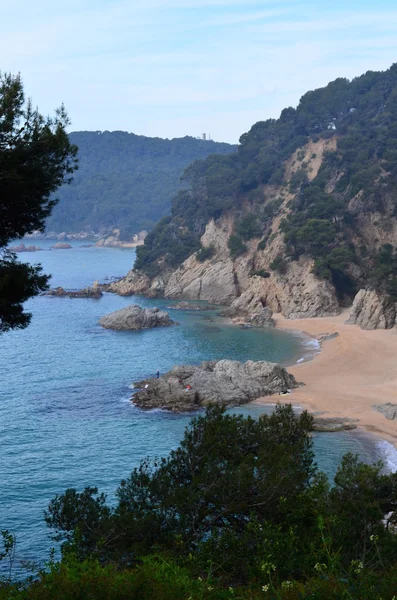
(134, 318)
(228, 382)
(61, 246)
(371, 310)
(23, 248)
(88, 292)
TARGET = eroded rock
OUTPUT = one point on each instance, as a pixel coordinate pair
(134, 317)
(371, 310)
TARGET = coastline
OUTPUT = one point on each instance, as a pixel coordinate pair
(352, 372)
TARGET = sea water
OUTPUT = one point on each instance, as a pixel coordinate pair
(66, 419)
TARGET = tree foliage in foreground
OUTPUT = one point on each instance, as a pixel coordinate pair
(36, 157)
(238, 510)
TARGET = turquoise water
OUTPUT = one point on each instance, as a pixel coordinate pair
(65, 415)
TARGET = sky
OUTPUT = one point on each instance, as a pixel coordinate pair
(171, 68)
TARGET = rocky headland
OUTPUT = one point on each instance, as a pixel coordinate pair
(134, 317)
(229, 382)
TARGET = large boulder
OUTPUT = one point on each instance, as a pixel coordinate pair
(371, 310)
(228, 382)
(134, 317)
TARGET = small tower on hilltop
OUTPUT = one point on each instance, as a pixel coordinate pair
(204, 137)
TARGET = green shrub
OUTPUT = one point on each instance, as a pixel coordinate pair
(236, 245)
(262, 243)
(279, 264)
(261, 273)
(249, 227)
(205, 253)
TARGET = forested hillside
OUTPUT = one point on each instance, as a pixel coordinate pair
(318, 184)
(125, 180)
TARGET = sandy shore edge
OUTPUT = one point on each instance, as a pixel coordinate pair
(353, 371)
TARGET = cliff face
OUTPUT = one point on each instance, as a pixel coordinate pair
(299, 220)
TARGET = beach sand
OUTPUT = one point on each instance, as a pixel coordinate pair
(351, 373)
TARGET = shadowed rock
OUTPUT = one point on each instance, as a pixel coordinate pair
(228, 382)
(134, 317)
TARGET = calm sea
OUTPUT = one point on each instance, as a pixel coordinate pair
(65, 415)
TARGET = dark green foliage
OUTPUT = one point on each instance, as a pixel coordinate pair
(18, 283)
(279, 264)
(238, 510)
(36, 157)
(205, 253)
(261, 273)
(236, 245)
(249, 227)
(168, 241)
(125, 180)
(262, 244)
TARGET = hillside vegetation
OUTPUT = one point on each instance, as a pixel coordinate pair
(125, 180)
(338, 209)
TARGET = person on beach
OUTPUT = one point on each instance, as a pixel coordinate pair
(157, 374)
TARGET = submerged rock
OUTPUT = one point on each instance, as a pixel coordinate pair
(228, 382)
(183, 305)
(388, 410)
(333, 424)
(134, 317)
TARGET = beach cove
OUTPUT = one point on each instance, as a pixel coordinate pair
(353, 371)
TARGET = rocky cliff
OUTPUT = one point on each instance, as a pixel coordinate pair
(301, 220)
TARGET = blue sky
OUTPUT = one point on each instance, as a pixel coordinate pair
(171, 68)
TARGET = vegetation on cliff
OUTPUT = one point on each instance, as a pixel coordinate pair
(125, 180)
(238, 510)
(323, 217)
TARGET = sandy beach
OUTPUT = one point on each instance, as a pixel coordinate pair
(351, 373)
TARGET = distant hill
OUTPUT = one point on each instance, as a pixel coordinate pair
(125, 180)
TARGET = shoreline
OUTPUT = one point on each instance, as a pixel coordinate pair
(348, 375)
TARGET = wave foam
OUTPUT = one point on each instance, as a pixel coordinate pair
(388, 454)
(311, 344)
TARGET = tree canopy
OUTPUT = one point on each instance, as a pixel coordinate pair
(36, 157)
(238, 510)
